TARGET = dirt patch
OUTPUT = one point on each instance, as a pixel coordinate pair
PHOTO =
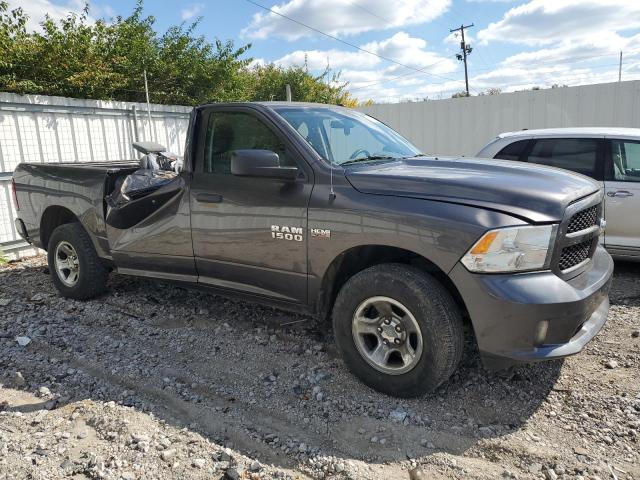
(107, 387)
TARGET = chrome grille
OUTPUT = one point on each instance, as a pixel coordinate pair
(575, 254)
(582, 220)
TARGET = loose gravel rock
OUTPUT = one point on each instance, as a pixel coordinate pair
(156, 381)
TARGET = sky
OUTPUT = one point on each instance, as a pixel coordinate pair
(405, 50)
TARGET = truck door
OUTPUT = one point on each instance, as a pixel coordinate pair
(249, 233)
(622, 200)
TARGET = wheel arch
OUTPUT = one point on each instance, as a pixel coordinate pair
(358, 258)
(53, 217)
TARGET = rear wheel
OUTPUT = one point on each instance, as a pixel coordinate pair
(398, 329)
(76, 269)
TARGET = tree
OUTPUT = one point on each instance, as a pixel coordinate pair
(492, 91)
(106, 60)
(269, 84)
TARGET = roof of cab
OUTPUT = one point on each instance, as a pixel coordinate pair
(275, 104)
(298, 104)
(575, 131)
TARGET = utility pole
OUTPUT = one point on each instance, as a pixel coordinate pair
(620, 68)
(466, 50)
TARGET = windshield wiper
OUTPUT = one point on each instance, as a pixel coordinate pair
(369, 158)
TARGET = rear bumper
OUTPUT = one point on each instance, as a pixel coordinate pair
(22, 230)
(530, 317)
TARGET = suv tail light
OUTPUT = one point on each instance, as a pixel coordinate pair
(15, 194)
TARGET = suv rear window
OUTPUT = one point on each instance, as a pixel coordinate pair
(576, 154)
(512, 151)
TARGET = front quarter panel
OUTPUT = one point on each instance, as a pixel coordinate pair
(438, 231)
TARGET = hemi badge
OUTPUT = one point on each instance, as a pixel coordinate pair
(321, 233)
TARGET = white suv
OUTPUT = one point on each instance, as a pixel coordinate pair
(609, 155)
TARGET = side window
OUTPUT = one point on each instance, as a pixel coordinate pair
(512, 151)
(229, 131)
(575, 154)
(626, 160)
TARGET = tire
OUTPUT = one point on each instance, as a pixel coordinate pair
(428, 305)
(72, 247)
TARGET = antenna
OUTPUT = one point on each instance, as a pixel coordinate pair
(332, 193)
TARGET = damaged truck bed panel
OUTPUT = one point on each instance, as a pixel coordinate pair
(325, 210)
(52, 191)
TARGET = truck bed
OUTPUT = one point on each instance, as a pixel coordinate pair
(78, 187)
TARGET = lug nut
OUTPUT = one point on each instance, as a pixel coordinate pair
(398, 328)
(397, 341)
(387, 321)
(385, 341)
(380, 329)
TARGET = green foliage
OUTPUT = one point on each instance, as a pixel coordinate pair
(491, 91)
(268, 83)
(105, 60)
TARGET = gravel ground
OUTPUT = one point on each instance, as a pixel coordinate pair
(156, 381)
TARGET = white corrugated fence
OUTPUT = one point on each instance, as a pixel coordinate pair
(52, 129)
(462, 126)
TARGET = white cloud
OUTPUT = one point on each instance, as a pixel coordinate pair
(191, 11)
(542, 22)
(334, 58)
(401, 47)
(257, 62)
(454, 38)
(342, 17)
(37, 9)
(600, 47)
(411, 51)
(372, 77)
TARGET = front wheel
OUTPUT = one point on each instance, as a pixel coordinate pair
(398, 329)
(76, 269)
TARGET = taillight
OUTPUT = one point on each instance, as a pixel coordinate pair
(15, 194)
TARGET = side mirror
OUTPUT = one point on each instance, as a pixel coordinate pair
(260, 163)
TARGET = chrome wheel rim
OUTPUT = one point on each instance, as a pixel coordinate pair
(66, 263)
(387, 335)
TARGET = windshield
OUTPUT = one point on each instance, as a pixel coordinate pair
(341, 135)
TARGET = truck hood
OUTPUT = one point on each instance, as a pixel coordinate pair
(532, 192)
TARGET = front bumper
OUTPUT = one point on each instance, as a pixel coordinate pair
(529, 317)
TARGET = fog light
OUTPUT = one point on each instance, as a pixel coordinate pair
(541, 332)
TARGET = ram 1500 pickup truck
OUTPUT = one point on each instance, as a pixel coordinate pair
(326, 210)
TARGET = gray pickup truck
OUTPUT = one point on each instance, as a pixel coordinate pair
(325, 210)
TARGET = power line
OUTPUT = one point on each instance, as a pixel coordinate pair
(409, 74)
(568, 77)
(337, 39)
(370, 12)
(491, 67)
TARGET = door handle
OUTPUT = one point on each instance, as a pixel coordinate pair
(620, 193)
(208, 198)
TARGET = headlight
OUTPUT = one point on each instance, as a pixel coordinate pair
(513, 249)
